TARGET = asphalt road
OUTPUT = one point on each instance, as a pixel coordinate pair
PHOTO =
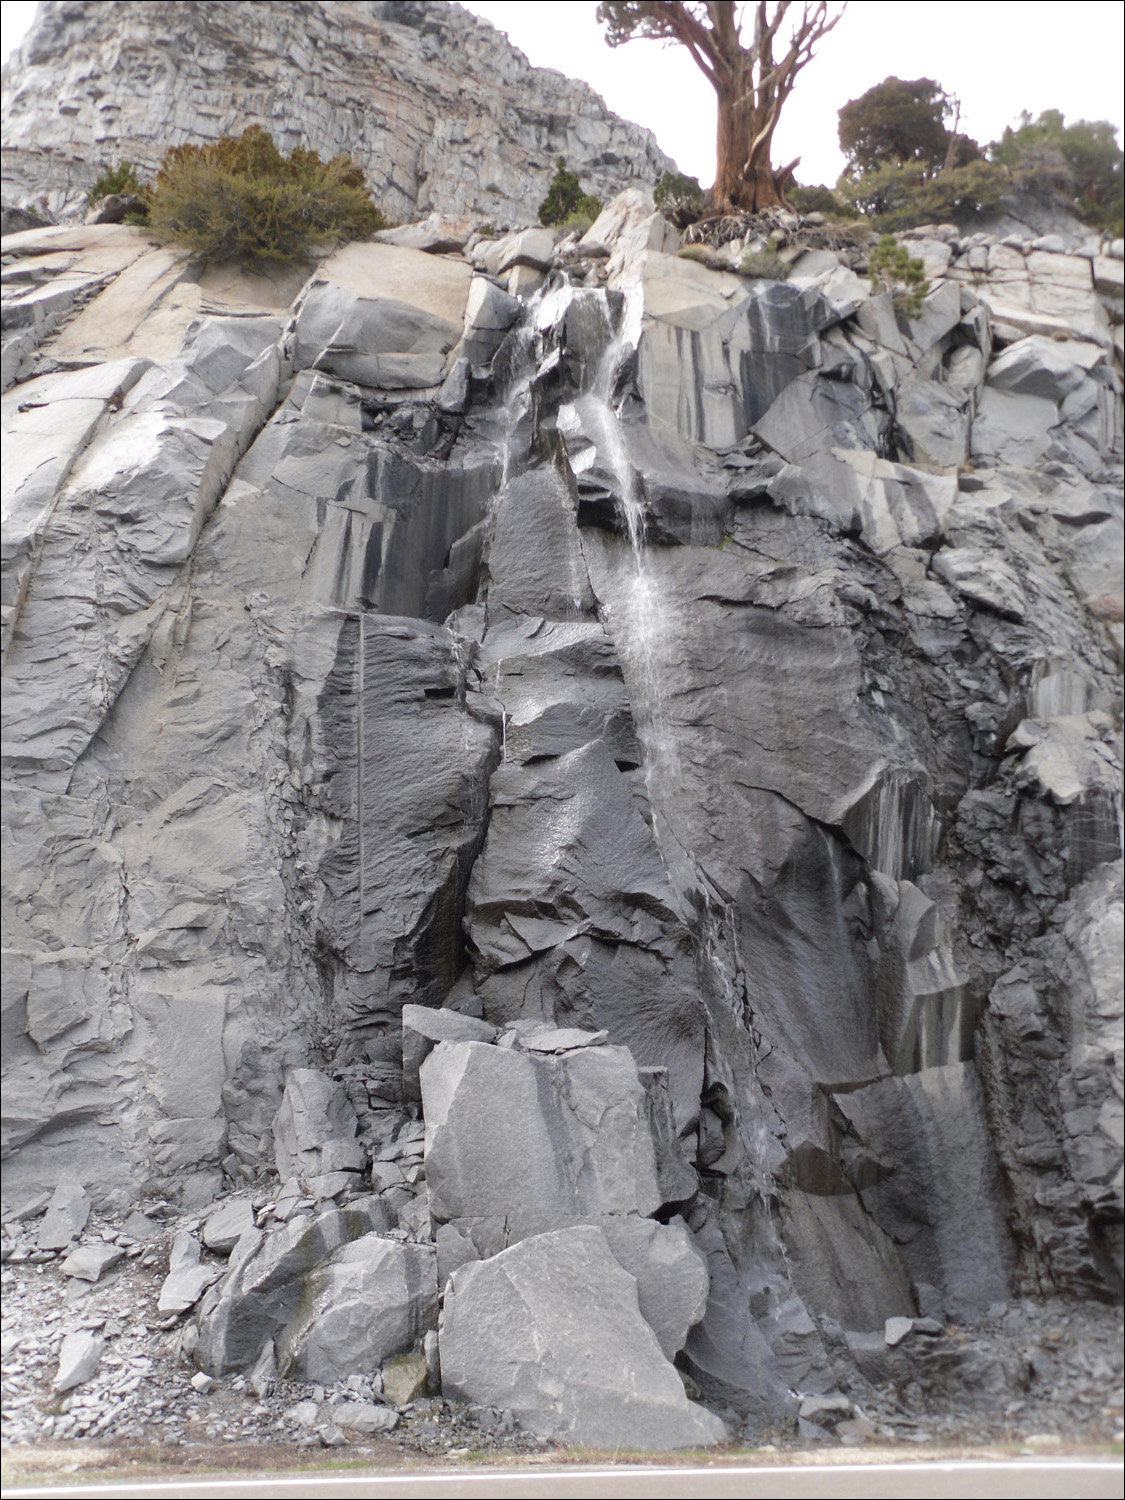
(1018, 1479)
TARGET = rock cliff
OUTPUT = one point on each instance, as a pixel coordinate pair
(438, 108)
(583, 786)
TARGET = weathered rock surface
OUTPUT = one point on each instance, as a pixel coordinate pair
(371, 1300)
(674, 740)
(435, 104)
(585, 1146)
(551, 1330)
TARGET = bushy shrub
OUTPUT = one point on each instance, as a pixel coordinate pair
(241, 199)
(565, 197)
(680, 199)
(764, 265)
(1082, 161)
(894, 269)
(819, 200)
(897, 198)
(122, 178)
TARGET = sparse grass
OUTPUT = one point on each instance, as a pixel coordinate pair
(764, 265)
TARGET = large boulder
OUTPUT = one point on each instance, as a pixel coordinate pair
(372, 1299)
(585, 1147)
(264, 1288)
(383, 316)
(552, 1330)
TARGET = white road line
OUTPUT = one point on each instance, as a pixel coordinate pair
(321, 1478)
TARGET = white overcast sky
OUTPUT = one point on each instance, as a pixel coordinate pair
(999, 58)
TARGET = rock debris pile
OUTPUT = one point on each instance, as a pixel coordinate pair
(564, 820)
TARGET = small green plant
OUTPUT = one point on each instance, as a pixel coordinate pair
(240, 199)
(894, 268)
(703, 255)
(565, 197)
(576, 223)
(764, 265)
(119, 179)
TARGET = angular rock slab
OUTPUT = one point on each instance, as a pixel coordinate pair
(314, 1129)
(532, 1142)
(670, 1273)
(373, 1299)
(551, 1330)
(261, 1293)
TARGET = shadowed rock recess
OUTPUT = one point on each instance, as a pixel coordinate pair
(563, 810)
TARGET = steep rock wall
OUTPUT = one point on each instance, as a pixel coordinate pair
(723, 671)
(440, 111)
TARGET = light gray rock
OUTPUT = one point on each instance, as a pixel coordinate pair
(598, 1376)
(66, 1215)
(586, 1148)
(382, 316)
(79, 1358)
(1048, 368)
(422, 1028)
(90, 1262)
(984, 581)
(362, 1417)
(670, 1273)
(896, 1330)
(225, 1227)
(428, 151)
(314, 1130)
(371, 1299)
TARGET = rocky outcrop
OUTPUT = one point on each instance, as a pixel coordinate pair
(609, 779)
(439, 109)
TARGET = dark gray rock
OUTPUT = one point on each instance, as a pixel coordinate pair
(925, 1171)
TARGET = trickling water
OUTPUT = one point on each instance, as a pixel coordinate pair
(645, 627)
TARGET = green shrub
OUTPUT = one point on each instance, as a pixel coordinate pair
(119, 179)
(819, 200)
(1082, 161)
(677, 187)
(576, 223)
(764, 265)
(565, 197)
(893, 267)
(897, 198)
(240, 199)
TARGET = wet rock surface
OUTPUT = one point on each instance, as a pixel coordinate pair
(618, 774)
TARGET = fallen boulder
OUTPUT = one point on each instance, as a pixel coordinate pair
(552, 1331)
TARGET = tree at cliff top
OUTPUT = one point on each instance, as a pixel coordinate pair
(1081, 161)
(904, 122)
(750, 83)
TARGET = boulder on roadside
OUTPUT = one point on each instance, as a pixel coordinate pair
(373, 1299)
(552, 1331)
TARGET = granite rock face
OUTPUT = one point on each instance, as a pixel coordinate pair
(439, 109)
(624, 782)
